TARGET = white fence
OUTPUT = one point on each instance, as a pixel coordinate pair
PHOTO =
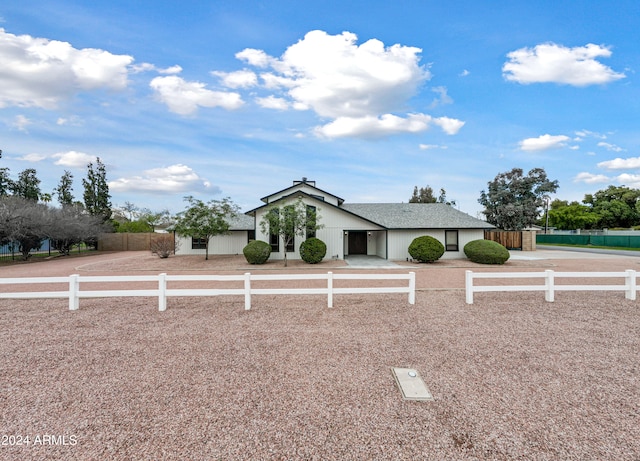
(550, 287)
(74, 293)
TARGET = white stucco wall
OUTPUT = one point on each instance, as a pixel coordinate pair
(335, 223)
(219, 245)
(399, 241)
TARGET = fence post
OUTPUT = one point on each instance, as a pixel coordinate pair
(162, 292)
(412, 287)
(74, 287)
(329, 289)
(468, 286)
(549, 294)
(631, 285)
(247, 291)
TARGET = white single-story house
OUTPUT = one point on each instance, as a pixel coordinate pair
(381, 229)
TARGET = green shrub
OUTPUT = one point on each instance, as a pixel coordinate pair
(486, 252)
(313, 250)
(426, 249)
(257, 252)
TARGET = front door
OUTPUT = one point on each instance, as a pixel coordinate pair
(357, 243)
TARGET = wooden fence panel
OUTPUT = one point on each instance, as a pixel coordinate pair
(512, 240)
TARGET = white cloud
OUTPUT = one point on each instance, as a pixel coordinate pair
(544, 142)
(442, 99)
(147, 67)
(464, 73)
(590, 178)
(172, 179)
(271, 102)
(373, 127)
(21, 123)
(593, 134)
(37, 72)
(610, 147)
(631, 180)
(621, 163)
(551, 63)
(171, 70)
(448, 125)
(184, 97)
(73, 159)
(357, 87)
(430, 146)
(239, 79)
(257, 58)
(34, 158)
(74, 120)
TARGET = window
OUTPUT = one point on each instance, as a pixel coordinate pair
(291, 245)
(251, 235)
(274, 240)
(198, 243)
(451, 240)
(311, 221)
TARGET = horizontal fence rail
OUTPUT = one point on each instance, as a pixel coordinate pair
(162, 292)
(549, 278)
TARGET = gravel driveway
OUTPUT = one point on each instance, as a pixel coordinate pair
(513, 377)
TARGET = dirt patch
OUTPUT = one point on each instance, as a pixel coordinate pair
(512, 377)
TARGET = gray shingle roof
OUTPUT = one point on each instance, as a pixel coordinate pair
(241, 222)
(416, 216)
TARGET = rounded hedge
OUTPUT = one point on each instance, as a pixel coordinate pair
(426, 249)
(486, 252)
(257, 252)
(313, 250)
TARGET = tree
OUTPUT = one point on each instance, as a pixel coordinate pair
(570, 216)
(24, 222)
(27, 186)
(289, 221)
(6, 184)
(205, 220)
(442, 198)
(423, 195)
(513, 201)
(130, 208)
(71, 225)
(155, 218)
(96, 191)
(63, 191)
(616, 206)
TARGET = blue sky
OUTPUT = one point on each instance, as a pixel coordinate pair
(369, 99)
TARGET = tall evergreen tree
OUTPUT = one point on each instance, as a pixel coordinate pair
(27, 186)
(63, 191)
(6, 184)
(96, 191)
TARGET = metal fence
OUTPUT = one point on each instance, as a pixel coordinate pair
(11, 251)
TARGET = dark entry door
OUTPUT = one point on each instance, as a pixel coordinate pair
(357, 243)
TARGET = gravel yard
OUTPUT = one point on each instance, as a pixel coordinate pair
(512, 377)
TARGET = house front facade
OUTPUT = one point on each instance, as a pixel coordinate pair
(378, 229)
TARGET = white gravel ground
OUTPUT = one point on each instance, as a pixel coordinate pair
(513, 377)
